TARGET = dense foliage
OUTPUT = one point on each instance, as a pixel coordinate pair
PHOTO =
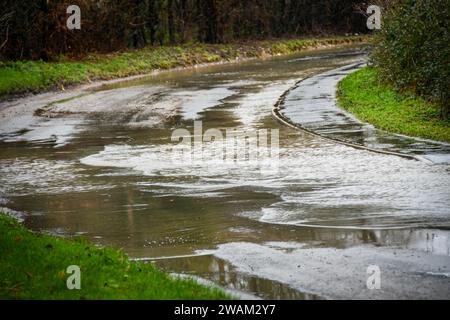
(37, 28)
(412, 50)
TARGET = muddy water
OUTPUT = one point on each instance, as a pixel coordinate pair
(100, 166)
(329, 120)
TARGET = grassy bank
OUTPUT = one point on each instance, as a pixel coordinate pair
(33, 266)
(25, 76)
(362, 94)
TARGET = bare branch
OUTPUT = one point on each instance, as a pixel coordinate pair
(6, 38)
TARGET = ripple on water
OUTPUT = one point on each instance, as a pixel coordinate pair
(330, 186)
(23, 176)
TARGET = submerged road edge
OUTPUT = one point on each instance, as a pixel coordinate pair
(286, 121)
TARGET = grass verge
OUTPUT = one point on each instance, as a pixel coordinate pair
(33, 266)
(362, 94)
(33, 76)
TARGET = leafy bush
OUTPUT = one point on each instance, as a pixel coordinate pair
(412, 50)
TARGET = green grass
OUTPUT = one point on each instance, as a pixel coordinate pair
(33, 266)
(362, 94)
(34, 76)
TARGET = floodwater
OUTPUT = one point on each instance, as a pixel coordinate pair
(329, 120)
(101, 166)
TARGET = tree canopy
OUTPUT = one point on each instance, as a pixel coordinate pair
(37, 28)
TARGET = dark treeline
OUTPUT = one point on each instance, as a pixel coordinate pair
(37, 29)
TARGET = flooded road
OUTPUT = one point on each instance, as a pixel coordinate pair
(327, 120)
(99, 165)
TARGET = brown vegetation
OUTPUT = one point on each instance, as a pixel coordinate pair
(36, 29)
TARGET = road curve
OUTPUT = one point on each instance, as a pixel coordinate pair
(311, 106)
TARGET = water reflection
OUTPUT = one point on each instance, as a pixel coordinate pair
(222, 273)
(431, 241)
